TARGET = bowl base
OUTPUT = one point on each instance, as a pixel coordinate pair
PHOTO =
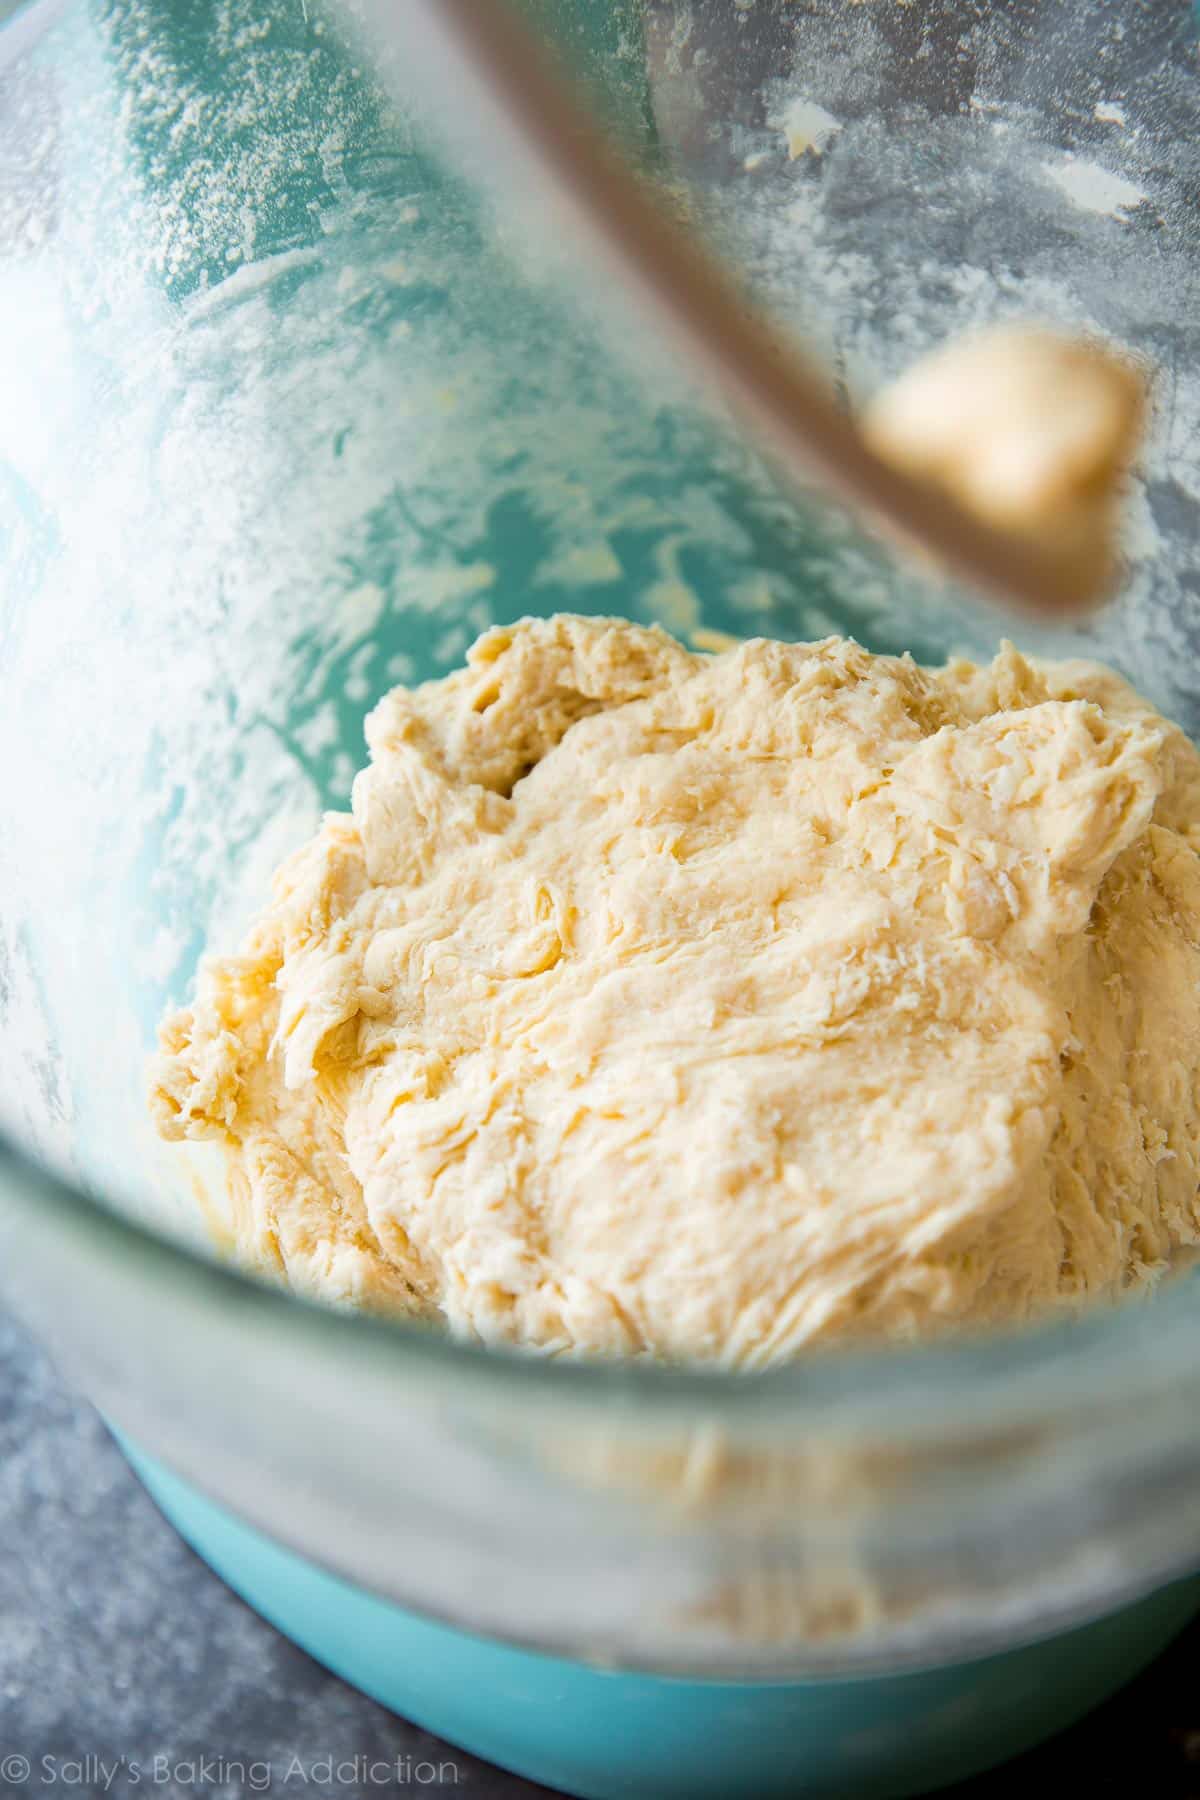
(614, 1735)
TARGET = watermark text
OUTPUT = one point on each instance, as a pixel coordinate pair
(98, 1775)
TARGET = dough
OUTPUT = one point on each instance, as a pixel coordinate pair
(651, 1002)
(1031, 430)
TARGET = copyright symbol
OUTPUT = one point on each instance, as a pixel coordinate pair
(15, 1769)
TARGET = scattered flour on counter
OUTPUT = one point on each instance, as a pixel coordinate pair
(808, 126)
(1094, 189)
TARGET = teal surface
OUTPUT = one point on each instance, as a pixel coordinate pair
(618, 1736)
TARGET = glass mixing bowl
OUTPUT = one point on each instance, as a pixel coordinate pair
(289, 411)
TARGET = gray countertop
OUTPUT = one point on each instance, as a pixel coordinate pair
(116, 1642)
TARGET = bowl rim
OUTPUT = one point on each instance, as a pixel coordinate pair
(1121, 1355)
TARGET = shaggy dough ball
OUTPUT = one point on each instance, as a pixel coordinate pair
(715, 1006)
